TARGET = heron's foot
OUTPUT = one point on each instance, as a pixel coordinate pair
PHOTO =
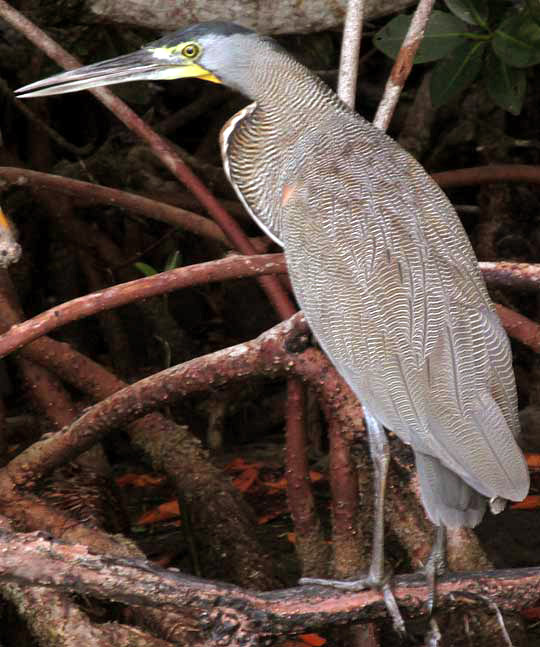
(361, 584)
(433, 568)
(369, 581)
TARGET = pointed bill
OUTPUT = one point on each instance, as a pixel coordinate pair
(144, 65)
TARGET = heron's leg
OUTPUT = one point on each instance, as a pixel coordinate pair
(376, 578)
(436, 564)
(380, 457)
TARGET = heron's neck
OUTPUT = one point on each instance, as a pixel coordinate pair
(260, 144)
(282, 88)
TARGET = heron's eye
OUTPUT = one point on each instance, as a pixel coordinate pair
(190, 50)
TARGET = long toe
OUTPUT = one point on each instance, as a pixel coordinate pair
(393, 610)
(367, 582)
(345, 585)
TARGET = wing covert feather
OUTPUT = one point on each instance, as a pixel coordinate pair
(396, 299)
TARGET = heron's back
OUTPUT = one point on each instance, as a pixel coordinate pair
(388, 281)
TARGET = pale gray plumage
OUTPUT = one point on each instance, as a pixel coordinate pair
(378, 259)
(388, 281)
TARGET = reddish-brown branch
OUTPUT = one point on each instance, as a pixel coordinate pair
(347, 539)
(310, 546)
(519, 327)
(522, 276)
(94, 194)
(265, 355)
(109, 298)
(241, 616)
(54, 618)
(403, 64)
(487, 175)
(31, 513)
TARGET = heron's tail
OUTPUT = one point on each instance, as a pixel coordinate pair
(448, 500)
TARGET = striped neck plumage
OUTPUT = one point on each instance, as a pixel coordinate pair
(265, 73)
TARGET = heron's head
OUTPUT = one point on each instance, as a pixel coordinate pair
(214, 51)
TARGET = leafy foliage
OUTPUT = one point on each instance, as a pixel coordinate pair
(441, 36)
(455, 72)
(476, 38)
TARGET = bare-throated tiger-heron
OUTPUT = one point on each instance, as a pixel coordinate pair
(378, 260)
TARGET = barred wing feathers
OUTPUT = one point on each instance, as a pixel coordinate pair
(389, 283)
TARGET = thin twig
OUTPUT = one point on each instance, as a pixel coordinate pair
(96, 194)
(311, 548)
(488, 174)
(521, 276)
(350, 52)
(403, 64)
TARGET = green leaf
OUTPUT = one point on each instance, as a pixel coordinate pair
(474, 12)
(457, 71)
(443, 33)
(517, 41)
(146, 269)
(173, 261)
(505, 85)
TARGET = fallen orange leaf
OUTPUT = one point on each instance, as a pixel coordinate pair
(139, 480)
(163, 512)
(239, 464)
(530, 503)
(280, 484)
(265, 518)
(291, 536)
(313, 639)
(246, 479)
(533, 460)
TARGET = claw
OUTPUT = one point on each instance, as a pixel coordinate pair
(367, 582)
(436, 565)
(344, 585)
(393, 610)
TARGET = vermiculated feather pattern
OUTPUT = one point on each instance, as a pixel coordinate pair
(389, 283)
